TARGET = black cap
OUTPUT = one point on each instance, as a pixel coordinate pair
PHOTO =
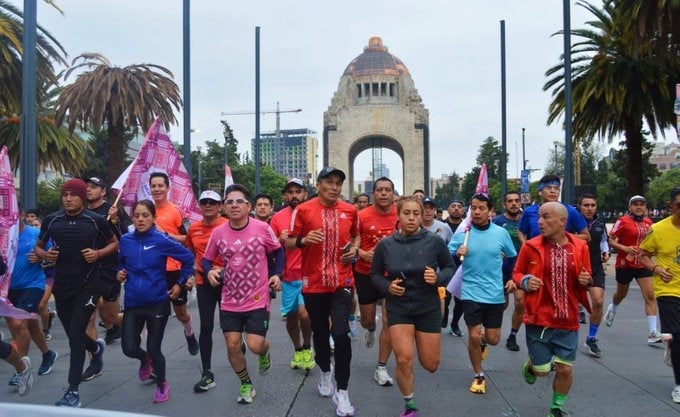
(97, 181)
(457, 201)
(328, 171)
(428, 200)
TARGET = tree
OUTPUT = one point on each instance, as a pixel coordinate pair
(617, 84)
(659, 188)
(49, 52)
(115, 98)
(231, 144)
(447, 192)
(98, 156)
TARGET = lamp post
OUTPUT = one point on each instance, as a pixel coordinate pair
(200, 179)
(556, 143)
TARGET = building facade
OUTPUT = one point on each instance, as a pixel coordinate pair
(292, 153)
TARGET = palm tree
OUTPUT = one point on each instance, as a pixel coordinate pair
(49, 51)
(115, 98)
(616, 84)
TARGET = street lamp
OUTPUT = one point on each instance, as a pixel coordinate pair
(200, 179)
(556, 143)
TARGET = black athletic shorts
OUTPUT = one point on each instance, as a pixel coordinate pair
(171, 277)
(489, 315)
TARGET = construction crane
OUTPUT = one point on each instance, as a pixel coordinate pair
(278, 112)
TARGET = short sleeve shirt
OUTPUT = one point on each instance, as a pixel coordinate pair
(293, 269)
(373, 227)
(169, 220)
(197, 240)
(663, 240)
(629, 232)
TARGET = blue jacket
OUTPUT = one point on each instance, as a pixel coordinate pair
(143, 256)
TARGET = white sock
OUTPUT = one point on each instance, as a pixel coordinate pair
(614, 308)
(651, 323)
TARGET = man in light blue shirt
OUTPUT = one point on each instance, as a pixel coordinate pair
(482, 289)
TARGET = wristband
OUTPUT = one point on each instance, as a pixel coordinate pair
(298, 242)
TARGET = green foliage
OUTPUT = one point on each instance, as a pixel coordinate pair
(49, 196)
(659, 188)
(98, 155)
(447, 192)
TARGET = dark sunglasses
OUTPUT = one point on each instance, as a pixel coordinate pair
(209, 202)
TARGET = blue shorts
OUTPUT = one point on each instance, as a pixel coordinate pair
(545, 343)
(26, 298)
(291, 296)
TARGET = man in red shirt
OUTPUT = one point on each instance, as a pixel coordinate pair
(170, 219)
(207, 296)
(626, 235)
(375, 223)
(292, 302)
(327, 230)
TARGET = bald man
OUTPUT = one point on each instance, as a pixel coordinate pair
(554, 271)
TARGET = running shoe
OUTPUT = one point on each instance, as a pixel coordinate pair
(455, 330)
(25, 377)
(382, 377)
(246, 394)
(96, 363)
(593, 348)
(485, 350)
(70, 399)
(529, 377)
(511, 343)
(667, 338)
(207, 381)
(296, 362)
(13, 380)
(325, 386)
(192, 344)
(112, 334)
(307, 362)
(478, 385)
(557, 412)
(675, 394)
(654, 337)
(609, 316)
(409, 412)
(352, 326)
(47, 335)
(145, 369)
(369, 338)
(162, 392)
(47, 362)
(264, 363)
(343, 407)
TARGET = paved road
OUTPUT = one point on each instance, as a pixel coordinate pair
(630, 380)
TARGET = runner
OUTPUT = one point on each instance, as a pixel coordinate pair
(456, 211)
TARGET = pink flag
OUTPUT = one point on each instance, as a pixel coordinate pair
(454, 286)
(9, 235)
(676, 109)
(157, 154)
(228, 178)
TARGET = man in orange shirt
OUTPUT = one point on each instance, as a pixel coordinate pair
(169, 219)
(327, 230)
(207, 296)
(375, 223)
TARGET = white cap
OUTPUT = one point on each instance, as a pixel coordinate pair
(636, 198)
(210, 195)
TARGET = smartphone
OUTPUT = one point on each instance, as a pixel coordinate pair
(347, 247)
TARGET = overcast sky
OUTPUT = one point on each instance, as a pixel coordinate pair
(451, 48)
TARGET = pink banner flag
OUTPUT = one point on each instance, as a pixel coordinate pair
(454, 286)
(9, 235)
(157, 154)
(228, 178)
(676, 109)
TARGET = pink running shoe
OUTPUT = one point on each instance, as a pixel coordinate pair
(145, 369)
(161, 394)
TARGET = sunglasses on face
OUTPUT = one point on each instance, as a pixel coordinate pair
(208, 202)
(237, 201)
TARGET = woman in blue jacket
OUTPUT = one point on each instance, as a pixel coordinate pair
(141, 266)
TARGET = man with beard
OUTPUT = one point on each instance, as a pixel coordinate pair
(509, 220)
(456, 212)
(375, 223)
(109, 286)
(292, 302)
(81, 238)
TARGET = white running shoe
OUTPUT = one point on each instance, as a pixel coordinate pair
(609, 317)
(654, 337)
(675, 395)
(25, 378)
(325, 385)
(382, 377)
(344, 407)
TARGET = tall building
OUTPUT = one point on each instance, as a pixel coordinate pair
(665, 156)
(292, 153)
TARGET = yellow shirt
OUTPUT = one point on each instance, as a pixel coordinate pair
(663, 241)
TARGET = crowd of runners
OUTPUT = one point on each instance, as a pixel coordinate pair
(335, 264)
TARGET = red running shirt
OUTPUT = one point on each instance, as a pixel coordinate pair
(373, 227)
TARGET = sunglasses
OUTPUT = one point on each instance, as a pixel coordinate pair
(237, 201)
(209, 202)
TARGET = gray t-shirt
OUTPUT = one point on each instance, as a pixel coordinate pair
(440, 229)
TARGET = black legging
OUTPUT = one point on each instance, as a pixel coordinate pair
(208, 298)
(457, 310)
(155, 317)
(675, 357)
(74, 310)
